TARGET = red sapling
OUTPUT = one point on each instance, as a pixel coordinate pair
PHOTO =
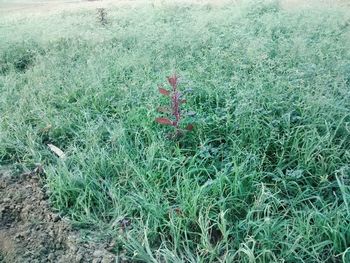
(175, 108)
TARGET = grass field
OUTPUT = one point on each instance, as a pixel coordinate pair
(264, 176)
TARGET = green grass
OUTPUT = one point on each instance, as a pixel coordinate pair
(264, 177)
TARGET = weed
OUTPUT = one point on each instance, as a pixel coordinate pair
(102, 16)
(177, 98)
(19, 56)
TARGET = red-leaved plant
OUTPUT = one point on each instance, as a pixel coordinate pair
(175, 108)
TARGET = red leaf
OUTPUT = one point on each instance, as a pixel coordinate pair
(163, 109)
(164, 121)
(164, 91)
(173, 80)
(189, 127)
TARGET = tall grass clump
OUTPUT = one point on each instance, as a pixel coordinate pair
(264, 177)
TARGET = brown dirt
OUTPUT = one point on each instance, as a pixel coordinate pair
(31, 232)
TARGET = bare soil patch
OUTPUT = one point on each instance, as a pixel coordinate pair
(31, 232)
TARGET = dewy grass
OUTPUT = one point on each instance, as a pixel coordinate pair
(264, 177)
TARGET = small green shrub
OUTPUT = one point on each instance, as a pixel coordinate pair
(19, 56)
